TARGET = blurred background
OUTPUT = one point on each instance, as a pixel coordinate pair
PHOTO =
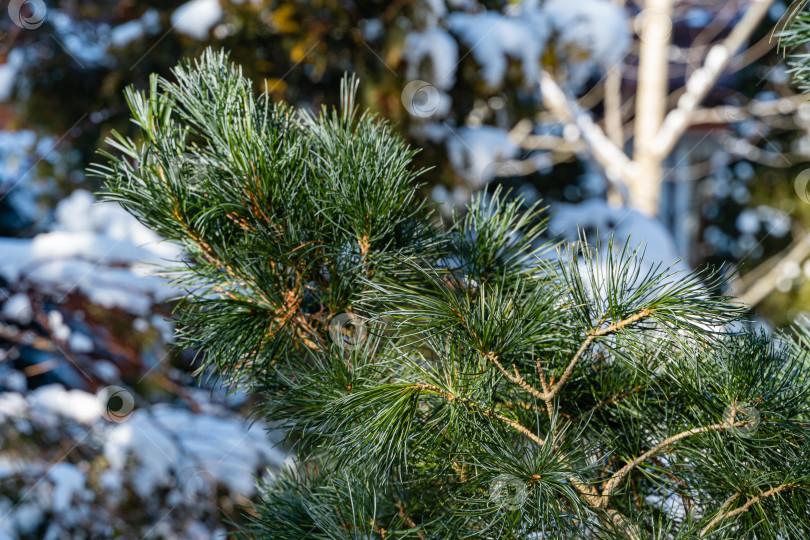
(673, 123)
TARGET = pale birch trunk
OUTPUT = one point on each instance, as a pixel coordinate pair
(655, 26)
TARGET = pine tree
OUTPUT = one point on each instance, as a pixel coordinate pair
(462, 380)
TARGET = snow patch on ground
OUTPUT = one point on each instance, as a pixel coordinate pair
(73, 404)
(68, 482)
(168, 439)
(163, 456)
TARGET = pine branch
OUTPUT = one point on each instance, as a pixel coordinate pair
(549, 402)
(294, 219)
(593, 334)
(516, 378)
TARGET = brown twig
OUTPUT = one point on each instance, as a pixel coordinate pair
(544, 384)
(516, 378)
(620, 475)
(406, 519)
(474, 406)
(725, 513)
(593, 334)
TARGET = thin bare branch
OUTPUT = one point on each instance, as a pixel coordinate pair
(613, 106)
(517, 378)
(703, 79)
(754, 293)
(760, 109)
(593, 334)
(546, 394)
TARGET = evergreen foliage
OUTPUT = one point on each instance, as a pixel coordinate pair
(793, 39)
(452, 381)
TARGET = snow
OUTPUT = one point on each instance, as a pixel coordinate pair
(124, 34)
(196, 18)
(15, 147)
(433, 11)
(74, 404)
(14, 381)
(599, 28)
(12, 405)
(80, 343)
(95, 249)
(494, 38)
(17, 154)
(476, 152)
(587, 35)
(627, 226)
(68, 481)
(170, 439)
(56, 321)
(8, 73)
(18, 308)
(107, 371)
(84, 42)
(437, 46)
(671, 504)
(162, 456)
(590, 34)
(450, 200)
(26, 518)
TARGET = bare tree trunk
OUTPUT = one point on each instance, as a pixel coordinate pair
(655, 27)
(613, 123)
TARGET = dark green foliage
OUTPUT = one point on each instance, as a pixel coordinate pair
(457, 382)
